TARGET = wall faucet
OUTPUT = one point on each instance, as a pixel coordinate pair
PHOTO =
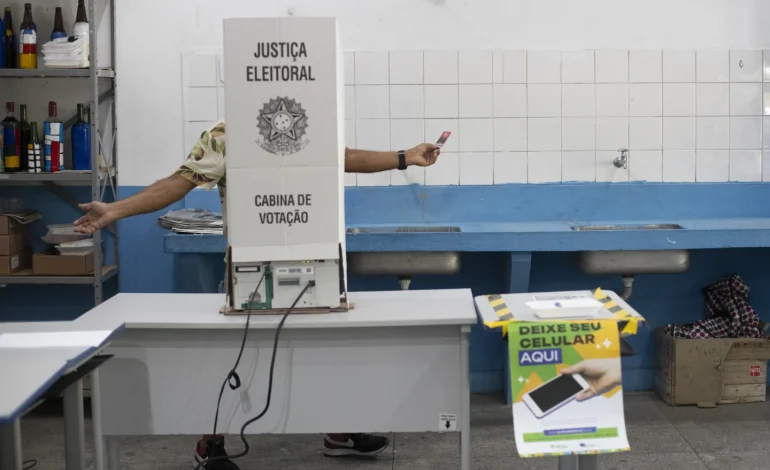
(622, 160)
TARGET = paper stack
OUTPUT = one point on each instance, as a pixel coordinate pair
(70, 53)
(193, 221)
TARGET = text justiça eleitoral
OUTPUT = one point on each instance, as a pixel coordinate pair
(280, 73)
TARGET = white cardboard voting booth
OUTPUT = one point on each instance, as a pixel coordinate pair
(285, 153)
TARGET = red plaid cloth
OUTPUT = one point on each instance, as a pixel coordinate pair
(728, 313)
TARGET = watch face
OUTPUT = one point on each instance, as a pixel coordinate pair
(282, 121)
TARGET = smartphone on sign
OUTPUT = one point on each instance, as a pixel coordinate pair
(554, 394)
(442, 140)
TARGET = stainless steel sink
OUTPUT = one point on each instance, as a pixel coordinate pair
(406, 229)
(582, 228)
(634, 262)
(404, 263)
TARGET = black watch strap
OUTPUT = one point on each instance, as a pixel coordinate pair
(401, 160)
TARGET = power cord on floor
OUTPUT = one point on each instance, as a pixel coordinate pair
(236, 383)
(28, 464)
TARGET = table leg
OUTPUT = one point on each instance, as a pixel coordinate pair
(588, 462)
(465, 399)
(96, 420)
(74, 427)
(10, 445)
(568, 462)
(113, 453)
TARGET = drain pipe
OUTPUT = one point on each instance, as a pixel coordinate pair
(628, 282)
(404, 282)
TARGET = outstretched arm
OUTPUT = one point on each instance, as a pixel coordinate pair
(155, 197)
(205, 167)
(365, 161)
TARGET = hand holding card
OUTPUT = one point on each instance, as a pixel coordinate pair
(442, 140)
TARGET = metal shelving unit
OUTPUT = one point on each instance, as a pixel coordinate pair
(55, 73)
(101, 85)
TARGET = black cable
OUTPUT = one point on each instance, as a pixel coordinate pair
(233, 379)
(28, 464)
(233, 374)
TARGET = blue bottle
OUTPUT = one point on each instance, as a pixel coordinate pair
(58, 26)
(80, 137)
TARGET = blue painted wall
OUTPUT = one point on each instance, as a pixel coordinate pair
(661, 298)
(58, 302)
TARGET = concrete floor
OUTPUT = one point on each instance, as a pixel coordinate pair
(733, 437)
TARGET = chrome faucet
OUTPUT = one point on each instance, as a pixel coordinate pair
(622, 160)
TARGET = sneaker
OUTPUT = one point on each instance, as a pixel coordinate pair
(213, 448)
(356, 444)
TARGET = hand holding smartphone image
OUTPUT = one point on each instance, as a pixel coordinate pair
(555, 393)
(601, 375)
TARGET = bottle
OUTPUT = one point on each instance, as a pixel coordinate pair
(54, 140)
(10, 40)
(81, 142)
(25, 131)
(27, 41)
(2, 45)
(2, 160)
(34, 151)
(58, 26)
(11, 140)
(80, 27)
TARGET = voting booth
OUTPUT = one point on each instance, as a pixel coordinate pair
(284, 106)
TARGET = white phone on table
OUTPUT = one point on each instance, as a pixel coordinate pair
(555, 393)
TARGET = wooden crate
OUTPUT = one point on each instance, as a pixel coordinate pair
(707, 372)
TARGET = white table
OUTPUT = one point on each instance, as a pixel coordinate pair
(28, 373)
(395, 363)
(25, 379)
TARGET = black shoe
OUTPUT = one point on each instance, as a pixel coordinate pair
(213, 449)
(356, 444)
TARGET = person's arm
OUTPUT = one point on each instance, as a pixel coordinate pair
(204, 167)
(153, 198)
(365, 161)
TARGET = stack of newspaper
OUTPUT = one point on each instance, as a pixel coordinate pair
(193, 221)
(22, 216)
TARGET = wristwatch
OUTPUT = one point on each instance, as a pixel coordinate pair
(401, 160)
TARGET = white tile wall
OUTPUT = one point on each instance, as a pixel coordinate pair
(406, 68)
(646, 166)
(477, 168)
(679, 66)
(373, 102)
(509, 100)
(510, 167)
(406, 101)
(712, 166)
(545, 116)
(578, 166)
(577, 67)
(679, 166)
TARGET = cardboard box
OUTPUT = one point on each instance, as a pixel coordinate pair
(14, 243)
(12, 264)
(707, 372)
(9, 225)
(51, 263)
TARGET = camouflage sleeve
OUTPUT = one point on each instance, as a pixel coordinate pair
(205, 166)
